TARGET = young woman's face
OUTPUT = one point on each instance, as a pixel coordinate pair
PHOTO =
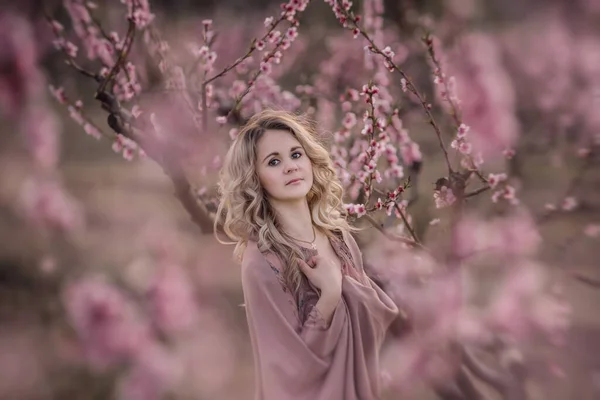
(283, 168)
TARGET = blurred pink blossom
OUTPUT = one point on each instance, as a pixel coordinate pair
(522, 305)
(514, 235)
(172, 303)
(41, 129)
(155, 373)
(46, 204)
(108, 324)
(486, 93)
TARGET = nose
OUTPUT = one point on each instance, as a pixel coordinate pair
(291, 167)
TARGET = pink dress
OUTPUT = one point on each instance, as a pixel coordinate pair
(297, 356)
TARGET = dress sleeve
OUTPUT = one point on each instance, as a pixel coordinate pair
(287, 355)
(381, 308)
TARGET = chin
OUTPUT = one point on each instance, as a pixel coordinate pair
(295, 192)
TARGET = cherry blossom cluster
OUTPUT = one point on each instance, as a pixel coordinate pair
(501, 189)
(121, 144)
(130, 327)
(341, 9)
(443, 197)
(379, 131)
(472, 159)
(281, 42)
(447, 85)
(356, 209)
(100, 46)
(371, 150)
(272, 45)
(42, 200)
(139, 12)
(460, 142)
(205, 57)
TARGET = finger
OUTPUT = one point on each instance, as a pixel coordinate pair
(304, 267)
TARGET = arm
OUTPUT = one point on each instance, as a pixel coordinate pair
(327, 304)
(381, 308)
(287, 356)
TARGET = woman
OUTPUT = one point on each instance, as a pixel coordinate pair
(316, 320)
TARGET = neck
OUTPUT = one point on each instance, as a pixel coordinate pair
(295, 219)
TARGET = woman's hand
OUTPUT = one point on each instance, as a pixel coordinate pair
(327, 277)
(324, 274)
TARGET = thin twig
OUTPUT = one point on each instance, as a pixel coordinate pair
(241, 59)
(575, 182)
(406, 223)
(455, 113)
(409, 84)
(593, 282)
(396, 238)
(128, 41)
(476, 192)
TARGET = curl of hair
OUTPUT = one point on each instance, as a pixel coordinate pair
(244, 210)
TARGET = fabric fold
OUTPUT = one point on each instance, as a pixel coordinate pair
(311, 359)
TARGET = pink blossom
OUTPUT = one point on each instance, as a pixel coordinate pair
(411, 153)
(514, 235)
(153, 374)
(107, 323)
(368, 127)
(495, 179)
(404, 85)
(521, 306)
(395, 171)
(351, 208)
(349, 120)
(444, 197)
(41, 130)
(46, 204)
(592, 230)
(358, 209)
(465, 148)
(172, 302)
(508, 193)
(569, 203)
(487, 95)
(462, 131)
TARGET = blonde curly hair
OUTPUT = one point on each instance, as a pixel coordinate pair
(244, 210)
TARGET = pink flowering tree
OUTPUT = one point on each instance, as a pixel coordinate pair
(444, 97)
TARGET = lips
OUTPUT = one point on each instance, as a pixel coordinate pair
(293, 181)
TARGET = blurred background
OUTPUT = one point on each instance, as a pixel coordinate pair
(99, 259)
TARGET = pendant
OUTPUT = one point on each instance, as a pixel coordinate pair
(314, 246)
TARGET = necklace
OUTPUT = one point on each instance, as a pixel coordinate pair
(311, 243)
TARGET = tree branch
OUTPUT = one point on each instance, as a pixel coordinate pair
(483, 372)
(197, 211)
(593, 282)
(400, 239)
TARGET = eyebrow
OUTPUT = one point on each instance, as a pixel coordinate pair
(275, 153)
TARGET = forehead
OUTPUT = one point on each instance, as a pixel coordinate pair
(279, 141)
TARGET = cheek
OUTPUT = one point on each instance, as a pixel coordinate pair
(306, 163)
(267, 178)
(308, 167)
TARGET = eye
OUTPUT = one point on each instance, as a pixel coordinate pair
(273, 162)
(296, 154)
